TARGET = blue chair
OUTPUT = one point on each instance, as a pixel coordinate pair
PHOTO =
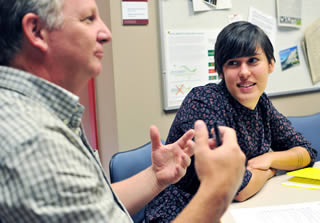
(126, 164)
(309, 127)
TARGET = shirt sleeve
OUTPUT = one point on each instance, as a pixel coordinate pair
(202, 103)
(285, 136)
(246, 178)
(48, 179)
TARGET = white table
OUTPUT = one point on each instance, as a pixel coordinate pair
(273, 193)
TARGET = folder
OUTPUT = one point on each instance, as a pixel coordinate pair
(304, 178)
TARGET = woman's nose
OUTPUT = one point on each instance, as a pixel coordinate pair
(244, 71)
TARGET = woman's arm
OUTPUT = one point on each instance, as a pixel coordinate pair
(263, 167)
(294, 158)
(292, 150)
(257, 181)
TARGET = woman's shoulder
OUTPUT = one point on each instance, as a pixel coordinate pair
(265, 102)
(207, 91)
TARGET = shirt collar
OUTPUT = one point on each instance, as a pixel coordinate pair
(61, 102)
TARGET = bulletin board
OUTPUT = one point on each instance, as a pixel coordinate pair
(178, 20)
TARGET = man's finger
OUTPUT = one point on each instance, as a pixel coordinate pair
(155, 137)
(201, 134)
(183, 141)
(189, 148)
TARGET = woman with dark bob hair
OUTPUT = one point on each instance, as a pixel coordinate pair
(243, 59)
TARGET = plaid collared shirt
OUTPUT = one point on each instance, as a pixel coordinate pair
(48, 172)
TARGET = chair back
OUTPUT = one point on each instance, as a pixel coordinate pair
(126, 164)
(309, 127)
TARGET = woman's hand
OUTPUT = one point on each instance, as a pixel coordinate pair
(262, 162)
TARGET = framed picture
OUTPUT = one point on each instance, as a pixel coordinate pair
(211, 2)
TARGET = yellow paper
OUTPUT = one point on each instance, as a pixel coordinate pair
(309, 172)
(303, 183)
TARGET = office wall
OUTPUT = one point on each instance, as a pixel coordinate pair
(129, 94)
(137, 78)
(105, 98)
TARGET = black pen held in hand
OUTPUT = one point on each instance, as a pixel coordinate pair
(217, 134)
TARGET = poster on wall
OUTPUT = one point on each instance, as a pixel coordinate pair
(189, 63)
(289, 13)
(135, 12)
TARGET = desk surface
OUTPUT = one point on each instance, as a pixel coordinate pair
(273, 193)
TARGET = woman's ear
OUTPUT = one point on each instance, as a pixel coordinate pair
(271, 66)
(35, 31)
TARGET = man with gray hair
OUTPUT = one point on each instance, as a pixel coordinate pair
(50, 49)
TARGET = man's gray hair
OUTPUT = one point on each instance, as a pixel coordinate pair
(11, 15)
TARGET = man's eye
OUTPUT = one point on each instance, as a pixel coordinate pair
(89, 19)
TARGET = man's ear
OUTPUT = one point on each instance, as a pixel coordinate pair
(35, 31)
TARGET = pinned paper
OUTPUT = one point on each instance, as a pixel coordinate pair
(207, 5)
(135, 12)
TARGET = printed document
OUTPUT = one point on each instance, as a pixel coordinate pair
(293, 213)
(267, 23)
(289, 13)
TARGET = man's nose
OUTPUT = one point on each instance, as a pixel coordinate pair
(104, 35)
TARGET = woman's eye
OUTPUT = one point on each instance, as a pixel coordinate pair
(232, 63)
(253, 60)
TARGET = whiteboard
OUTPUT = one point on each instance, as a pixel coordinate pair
(178, 16)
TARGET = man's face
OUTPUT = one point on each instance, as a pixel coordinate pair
(76, 49)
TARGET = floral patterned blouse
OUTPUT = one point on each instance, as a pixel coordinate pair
(258, 131)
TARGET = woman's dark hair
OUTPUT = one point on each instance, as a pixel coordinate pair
(240, 39)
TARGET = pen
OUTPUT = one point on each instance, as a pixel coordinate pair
(217, 134)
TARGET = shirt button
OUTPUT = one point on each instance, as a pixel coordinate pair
(77, 131)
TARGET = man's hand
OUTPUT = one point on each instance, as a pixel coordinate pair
(169, 162)
(222, 167)
(220, 171)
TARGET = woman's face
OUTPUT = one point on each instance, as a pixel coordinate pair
(246, 77)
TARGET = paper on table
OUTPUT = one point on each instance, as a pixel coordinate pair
(293, 213)
(304, 178)
(309, 172)
(302, 183)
